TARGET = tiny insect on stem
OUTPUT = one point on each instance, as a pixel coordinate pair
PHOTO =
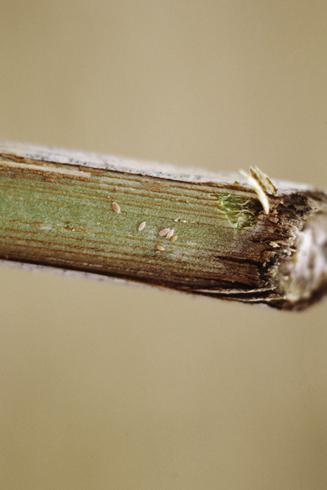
(142, 226)
(116, 208)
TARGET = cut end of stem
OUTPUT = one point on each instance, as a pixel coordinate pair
(304, 275)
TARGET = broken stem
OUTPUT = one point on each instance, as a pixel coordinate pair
(216, 236)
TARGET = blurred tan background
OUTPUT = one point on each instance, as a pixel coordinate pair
(104, 386)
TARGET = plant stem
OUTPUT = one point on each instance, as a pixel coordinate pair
(106, 216)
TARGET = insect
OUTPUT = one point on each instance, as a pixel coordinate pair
(142, 226)
(167, 233)
(164, 232)
(116, 208)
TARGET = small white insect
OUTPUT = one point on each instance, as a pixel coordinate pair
(142, 226)
(116, 208)
(164, 232)
(170, 233)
